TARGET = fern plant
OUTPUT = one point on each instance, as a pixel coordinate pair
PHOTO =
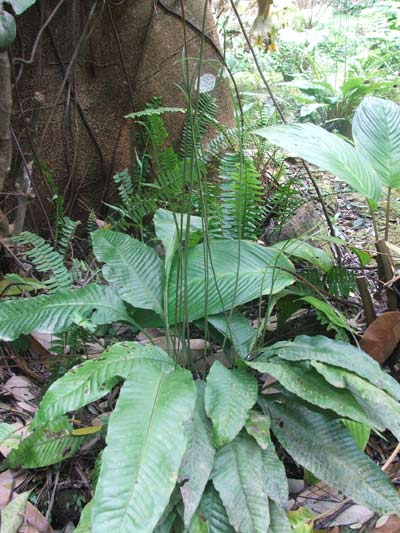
(194, 454)
(46, 259)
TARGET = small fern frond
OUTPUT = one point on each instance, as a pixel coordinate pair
(66, 234)
(241, 198)
(155, 111)
(46, 260)
(124, 183)
(197, 123)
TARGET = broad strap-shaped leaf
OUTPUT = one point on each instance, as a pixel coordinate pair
(257, 426)
(85, 521)
(279, 522)
(145, 445)
(230, 394)
(225, 274)
(237, 477)
(304, 250)
(302, 379)
(57, 312)
(173, 228)
(337, 353)
(45, 446)
(382, 410)
(376, 132)
(214, 511)
(327, 151)
(132, 267)
(198, 460)
(235, 327)
(322, 444)
(274, 476)
(19, 6)
(359, 432)
(93, 379)
(8, 31)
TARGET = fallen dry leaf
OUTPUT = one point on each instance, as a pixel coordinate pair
(392, 525)
(34, 521)
(21, 388)
(382, 336)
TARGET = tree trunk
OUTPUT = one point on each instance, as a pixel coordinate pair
(94, 63)
(5, 134)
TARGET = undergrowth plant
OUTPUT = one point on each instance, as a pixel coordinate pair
(197, 451)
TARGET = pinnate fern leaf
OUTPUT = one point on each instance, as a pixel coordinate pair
(46, 259)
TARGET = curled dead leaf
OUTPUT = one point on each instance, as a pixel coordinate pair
(382, 336)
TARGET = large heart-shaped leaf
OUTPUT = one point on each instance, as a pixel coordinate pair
(226, 274)
(133, 267)
(376, 132)
(145, 445)
(327, 151)
(230, 394)
(322, 444)
(173, 228)
(237, 477)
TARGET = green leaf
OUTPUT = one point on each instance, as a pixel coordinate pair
(8, 30)
(321, 443)
(230, 394)
(237, 329)
(85, 521)
(301, 379)
(257, 426)
(171, 229)
(7, 434)
(327, 151)
(145, 445)
(301, 520)
(93, 379)
(12, 515)
(214, 511)
(303, 250)
(154, 111)
(237, 477)
(359, 432)
(19, 6)
(279, 522)
(333, 315)
(376, 132)
(57, 312)
(47, 445)
(274, 476)
(222, 278)
(198, 524)
(133, 267)
(198, 460)
(337, 353)
(382, 410)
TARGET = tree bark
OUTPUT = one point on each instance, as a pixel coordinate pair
(95, 63)
(5, 133)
